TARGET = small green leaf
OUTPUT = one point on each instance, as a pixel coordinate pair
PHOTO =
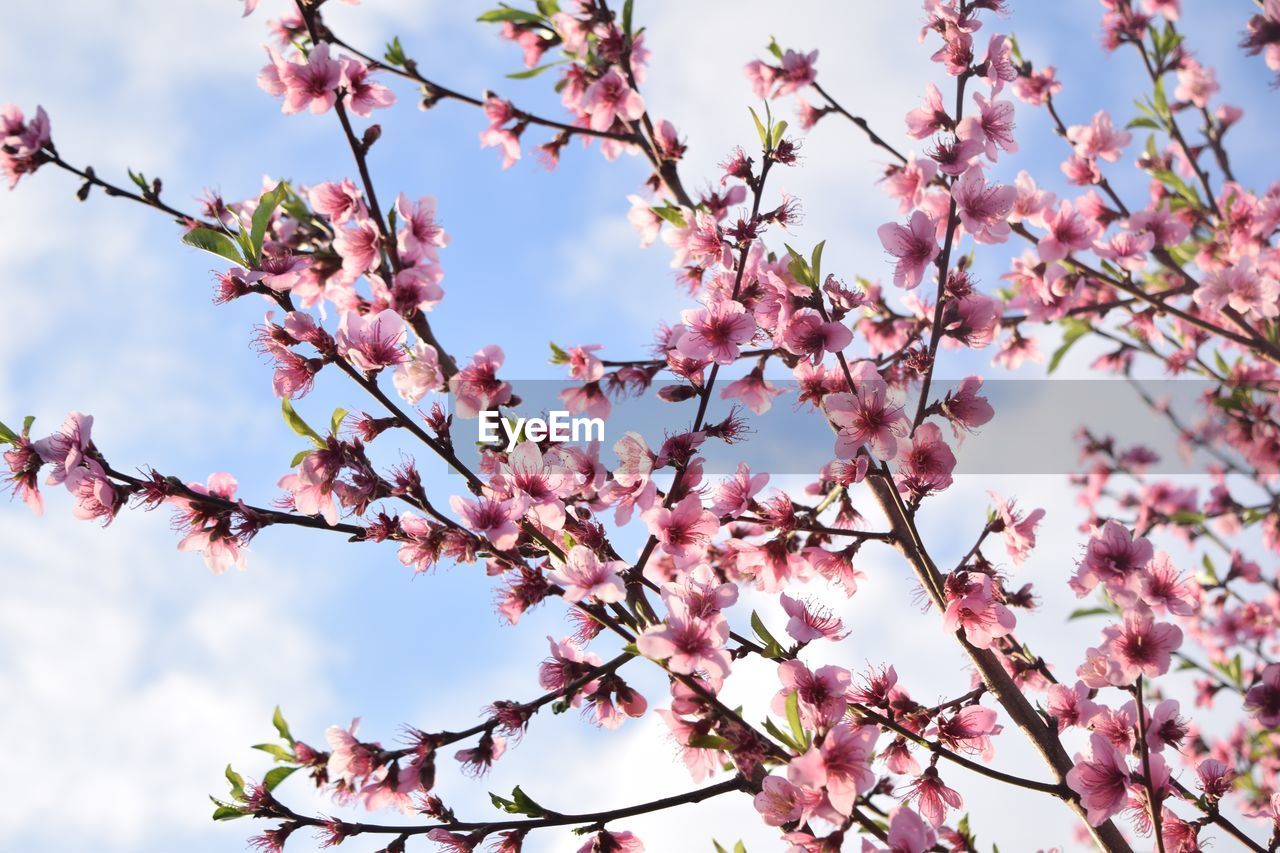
(394, 54)
(335, 422)
(627, 8)
(237, 784)
(558, 355)
(297, 424)
(1074, 331)
(226, 811)
(7, 436)
(529, 73)
(276, 751)
(793, 717)
(215, 243)
(760, 128)
(1084, 612)
(282, 728)
(276, 775)
(772, 647)
(709, 741)
(775, 49)
(775, 135)
(815, 263)
(298, 457)
(506, 14)
(671, 215)
(262, 217)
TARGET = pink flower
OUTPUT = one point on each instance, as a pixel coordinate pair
(420, 236)
(1241, 288)
(644, 220)
(977, 612)
(494, 518)
(349, 759)
(65, 449)
(685, 530)
(969, 730)
(821, 693)
(933, 797)
(476, 386)
(584, 575)
(779, 801)
(1112, 557)
(211, 534)
(363, 95)
(715, 331)
(609, 99)
(811, 622)
(94, 493)
(1139, 646)
(927, 462)
(984, 208)
(1263, 698)
(755, 392)
(1196, 84)
(1099, 139)
(841, 765)
(1068, 232)
(868, 418)
(310, 83)
(418, 374)
(909, 182)
(1070, 706)
(993, 126)
(605, 841)
(24, 470)
(733, 495)
(1101, 779)
(360, 247)
(1127, 248)
(1019, 532)
(1038, 86)
(797, 71)
(22, 143)
(372, 342)
(339, 202)
(907, 834)
(806, 334)
(688, 644)
(914, 245)
(965, 408)
(930, 118)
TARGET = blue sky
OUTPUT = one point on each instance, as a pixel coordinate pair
(131, 674)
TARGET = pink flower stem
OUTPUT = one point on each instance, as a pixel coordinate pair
(1153, 803)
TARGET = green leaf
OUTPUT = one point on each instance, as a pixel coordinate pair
(772, 728)
(719, 849)
(760, 128)
(505, 14)
(26, 424)
(298, 457)
(671, 215)
(297, 424)
(237, 784)
(775, 135)
(627, 8)
(262, 217)
(1084, 612)
(276, 775)
(775, 49)
(7, 436)
(548, 7)
(815, 263)
(282, 728)
(276, 751)
(215, 243)
(739, 848)
(558, 355)
(1142, 121)
(226, 811)
(1075, 330)
(533, 72)
(772, 647)
(709, 741)
(394, 54)
(335, 422)
(793, 717)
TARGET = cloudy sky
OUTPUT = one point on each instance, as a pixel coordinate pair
(131, 675)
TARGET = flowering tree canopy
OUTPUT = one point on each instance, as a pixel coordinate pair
(1159, 736)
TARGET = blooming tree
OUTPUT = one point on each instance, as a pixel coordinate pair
(1186, 280)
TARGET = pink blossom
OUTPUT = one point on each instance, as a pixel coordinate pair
(609, 99)
(1038, 86)
(868, 418)
(372, 342)
(689, 645)
(821, 693)
(755, 392)
(210, 535)
(1099, 139)
(24, 470)
(1101, 779)
(969, 730)
(715, 331)
(841, 765)
(340, 203)
(993, 126)
(930, 118)
(1112, 557)
(914, 245)
(1068, 232)
(310, 82)
(806, 334)
(22, 143)
(1241, 288)
(685, 530)
(797, 71)
(1196, 84)
(95, 495)
(363, 95)
(1070, 706)
(909, 182)
(1263, 698)
(644, 220)
(418, 374)
(734, 494)
(978, 613)
(984, 208)
(65, 449)
(811, 622)
(933, 797)
(493, 517)
(1018, 531)
(359, 246)
(584, 575)
(606, 841)
(965, 408)
(420, 236)
(925, 465)
(476, 387)
(907, 834)
(1128, 249)
(779, 801)
(1139, 646)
